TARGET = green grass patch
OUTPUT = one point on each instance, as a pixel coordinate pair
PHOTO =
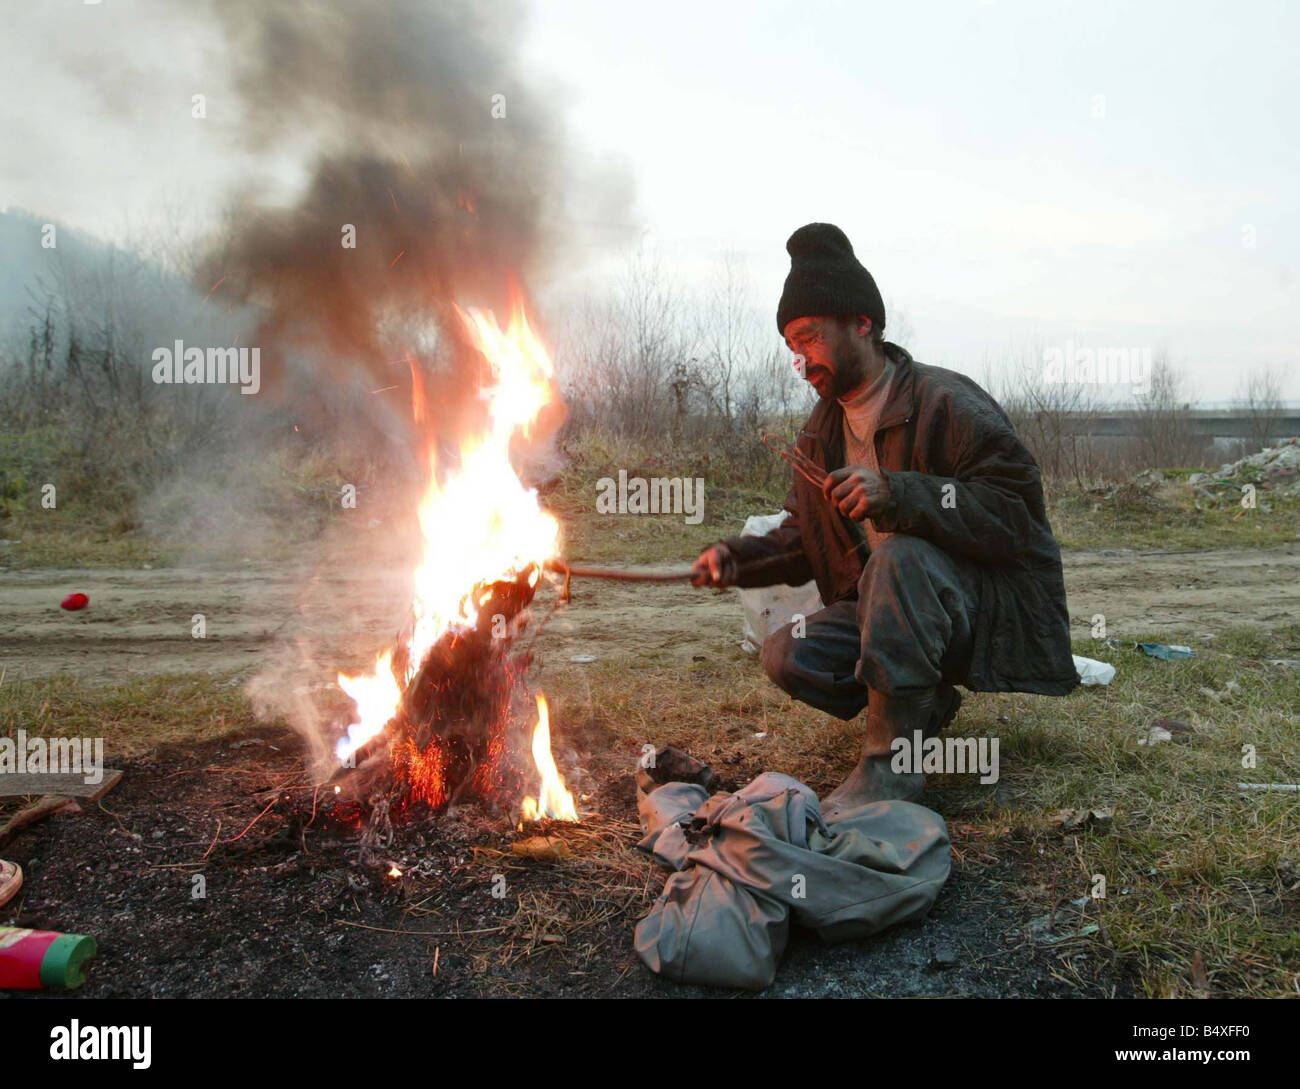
(133, 717)
(1172, 517)
(281, 500)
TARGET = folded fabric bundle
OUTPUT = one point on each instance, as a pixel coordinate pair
(746, 862)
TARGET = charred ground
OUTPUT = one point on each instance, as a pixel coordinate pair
(295, 906)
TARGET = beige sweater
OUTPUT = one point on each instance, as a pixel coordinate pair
(861, 411)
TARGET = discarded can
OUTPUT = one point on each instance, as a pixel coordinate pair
(74, 601)
(31, 960)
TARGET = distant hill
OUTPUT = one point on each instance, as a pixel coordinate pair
(137, 285)
(24, 263)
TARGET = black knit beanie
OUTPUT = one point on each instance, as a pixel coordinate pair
(825, 278)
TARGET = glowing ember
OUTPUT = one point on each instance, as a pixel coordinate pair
(552, 800)
(425, 771)
(480, 527)
(394, 872)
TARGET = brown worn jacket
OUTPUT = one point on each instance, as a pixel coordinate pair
(938, 427)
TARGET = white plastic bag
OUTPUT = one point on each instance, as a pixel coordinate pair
(1093, 672)
(770, 607)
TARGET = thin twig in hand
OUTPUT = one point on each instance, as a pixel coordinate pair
(801, 462)
(809, 470)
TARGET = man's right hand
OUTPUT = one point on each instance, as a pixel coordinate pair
(715, 567)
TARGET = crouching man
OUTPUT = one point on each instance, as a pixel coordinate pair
(929, 540)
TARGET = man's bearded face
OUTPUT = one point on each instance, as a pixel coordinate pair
(824, 354)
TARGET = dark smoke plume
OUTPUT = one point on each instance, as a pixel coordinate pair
(449, 203)
(390, 106)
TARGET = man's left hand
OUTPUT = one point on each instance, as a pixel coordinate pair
(856, 491)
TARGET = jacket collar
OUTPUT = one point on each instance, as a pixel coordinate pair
(826, 421)
(900, 405)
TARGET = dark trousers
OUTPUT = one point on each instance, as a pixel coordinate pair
(908, 630)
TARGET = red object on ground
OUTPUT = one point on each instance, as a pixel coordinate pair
(75, 601)
(31, 960)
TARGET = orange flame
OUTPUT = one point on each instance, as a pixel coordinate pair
(479, 524)
(552, 800)
(376, 695)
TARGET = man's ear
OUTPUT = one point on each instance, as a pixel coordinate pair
(864, 326)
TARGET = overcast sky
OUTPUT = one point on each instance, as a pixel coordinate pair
(1012, 173)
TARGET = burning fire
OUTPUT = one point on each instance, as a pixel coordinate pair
(376, 695)
(552, 800)
(480, 525)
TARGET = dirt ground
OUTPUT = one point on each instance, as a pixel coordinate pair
(294, 906)
(140, 622)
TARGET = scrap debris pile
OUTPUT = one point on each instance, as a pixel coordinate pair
(1275, 469)
(1274, 472)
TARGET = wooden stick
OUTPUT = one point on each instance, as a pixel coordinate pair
(46, 807)
(67, 784)
(681, 573)
(621, 574)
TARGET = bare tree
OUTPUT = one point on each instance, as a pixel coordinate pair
(1164, 436)
(622, 352)
(1053, 417)
(1259, 397)
(698, 377)
(723, 331)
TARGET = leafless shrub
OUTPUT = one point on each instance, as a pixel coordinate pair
(624, 356)
(706, 377)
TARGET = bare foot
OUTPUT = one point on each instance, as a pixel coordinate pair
(873, 780)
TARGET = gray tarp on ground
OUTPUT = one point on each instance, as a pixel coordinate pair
(746, 861)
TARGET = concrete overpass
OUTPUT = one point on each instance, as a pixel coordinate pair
(1208, 422)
